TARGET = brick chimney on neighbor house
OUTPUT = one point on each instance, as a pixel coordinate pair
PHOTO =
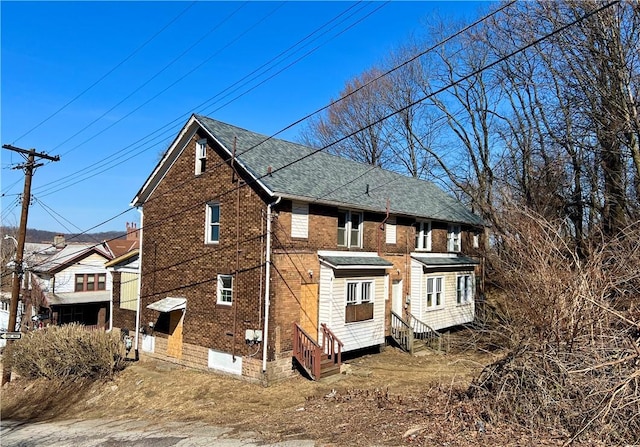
(58, 241)
(133, 234)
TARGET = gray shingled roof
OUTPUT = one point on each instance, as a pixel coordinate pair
(356, 261)
(432, 261)
(325, 178)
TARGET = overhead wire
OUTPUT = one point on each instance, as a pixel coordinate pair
(155, 75)
(429, 95)
(342, 98)
(104, 76)
(100, 166)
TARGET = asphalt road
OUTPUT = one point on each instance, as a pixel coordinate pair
(114, 433)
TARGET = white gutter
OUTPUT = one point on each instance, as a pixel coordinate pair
(267, 280)
(135, 344)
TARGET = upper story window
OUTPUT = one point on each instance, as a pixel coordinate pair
(212, 225)
(464, 289)
(435, 292)
(454, 238)
(225, 289)
(476, 240)
(423, 235)
(349, 229)
(89, 282)
(201, 156)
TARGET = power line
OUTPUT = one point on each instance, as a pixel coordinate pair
(99, 168)
(451, 84)
(106, 74)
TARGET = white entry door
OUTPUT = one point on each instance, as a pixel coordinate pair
(396, 296)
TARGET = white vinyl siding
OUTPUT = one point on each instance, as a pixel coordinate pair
(390, 231)
(128, 290)
(65, 280)
(450, 313)
(300, 220)
(355, 335)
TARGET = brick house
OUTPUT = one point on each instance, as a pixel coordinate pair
(256, 251)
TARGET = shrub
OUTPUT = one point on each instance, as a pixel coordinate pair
(70, 351)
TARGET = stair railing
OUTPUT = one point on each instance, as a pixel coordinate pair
(402, 332)
(306, 351)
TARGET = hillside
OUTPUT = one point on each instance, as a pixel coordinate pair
(34, 235)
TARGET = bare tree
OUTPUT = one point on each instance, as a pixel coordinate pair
(352, 126)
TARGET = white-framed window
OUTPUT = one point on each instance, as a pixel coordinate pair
(454, 238)
(435, 292)
(476, 240)
(423, 235)
(212, 235)
(224, 290)
(349, 229)
(359, 292)
(201, 156)
(464, 289)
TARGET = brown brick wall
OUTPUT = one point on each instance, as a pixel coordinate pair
(122, 318)
(177, 262)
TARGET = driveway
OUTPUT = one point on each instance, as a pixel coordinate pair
(113, 433)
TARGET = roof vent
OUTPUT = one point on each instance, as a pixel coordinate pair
(269, 169)
(367, 191)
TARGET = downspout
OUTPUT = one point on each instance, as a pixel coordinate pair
(267, 280)
(111, 305)
(137, 357)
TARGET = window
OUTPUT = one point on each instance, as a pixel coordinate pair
(213, 223)
(201, 156)
(91, 282)
(225, 289)
(359, 297)
(476, 240)
(453, 238)
(423, 235)
(434, 292)
(349, 229)
(464, 289)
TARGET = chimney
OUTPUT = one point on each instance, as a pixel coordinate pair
(132, 232)
(58, 241)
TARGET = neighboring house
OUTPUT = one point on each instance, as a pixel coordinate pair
(73, 284)
(257, 250)
(124, 272)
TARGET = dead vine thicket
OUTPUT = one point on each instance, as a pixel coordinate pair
(573, 332)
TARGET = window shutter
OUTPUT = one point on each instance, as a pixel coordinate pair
(300, 220)
(390, 230)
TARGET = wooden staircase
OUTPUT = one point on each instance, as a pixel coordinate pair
(413, 335)
(317, 360)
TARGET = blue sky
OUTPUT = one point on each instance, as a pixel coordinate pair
(107, 85)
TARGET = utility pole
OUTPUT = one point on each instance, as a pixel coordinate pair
(16, 278)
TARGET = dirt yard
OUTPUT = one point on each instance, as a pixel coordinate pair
(387, 398)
